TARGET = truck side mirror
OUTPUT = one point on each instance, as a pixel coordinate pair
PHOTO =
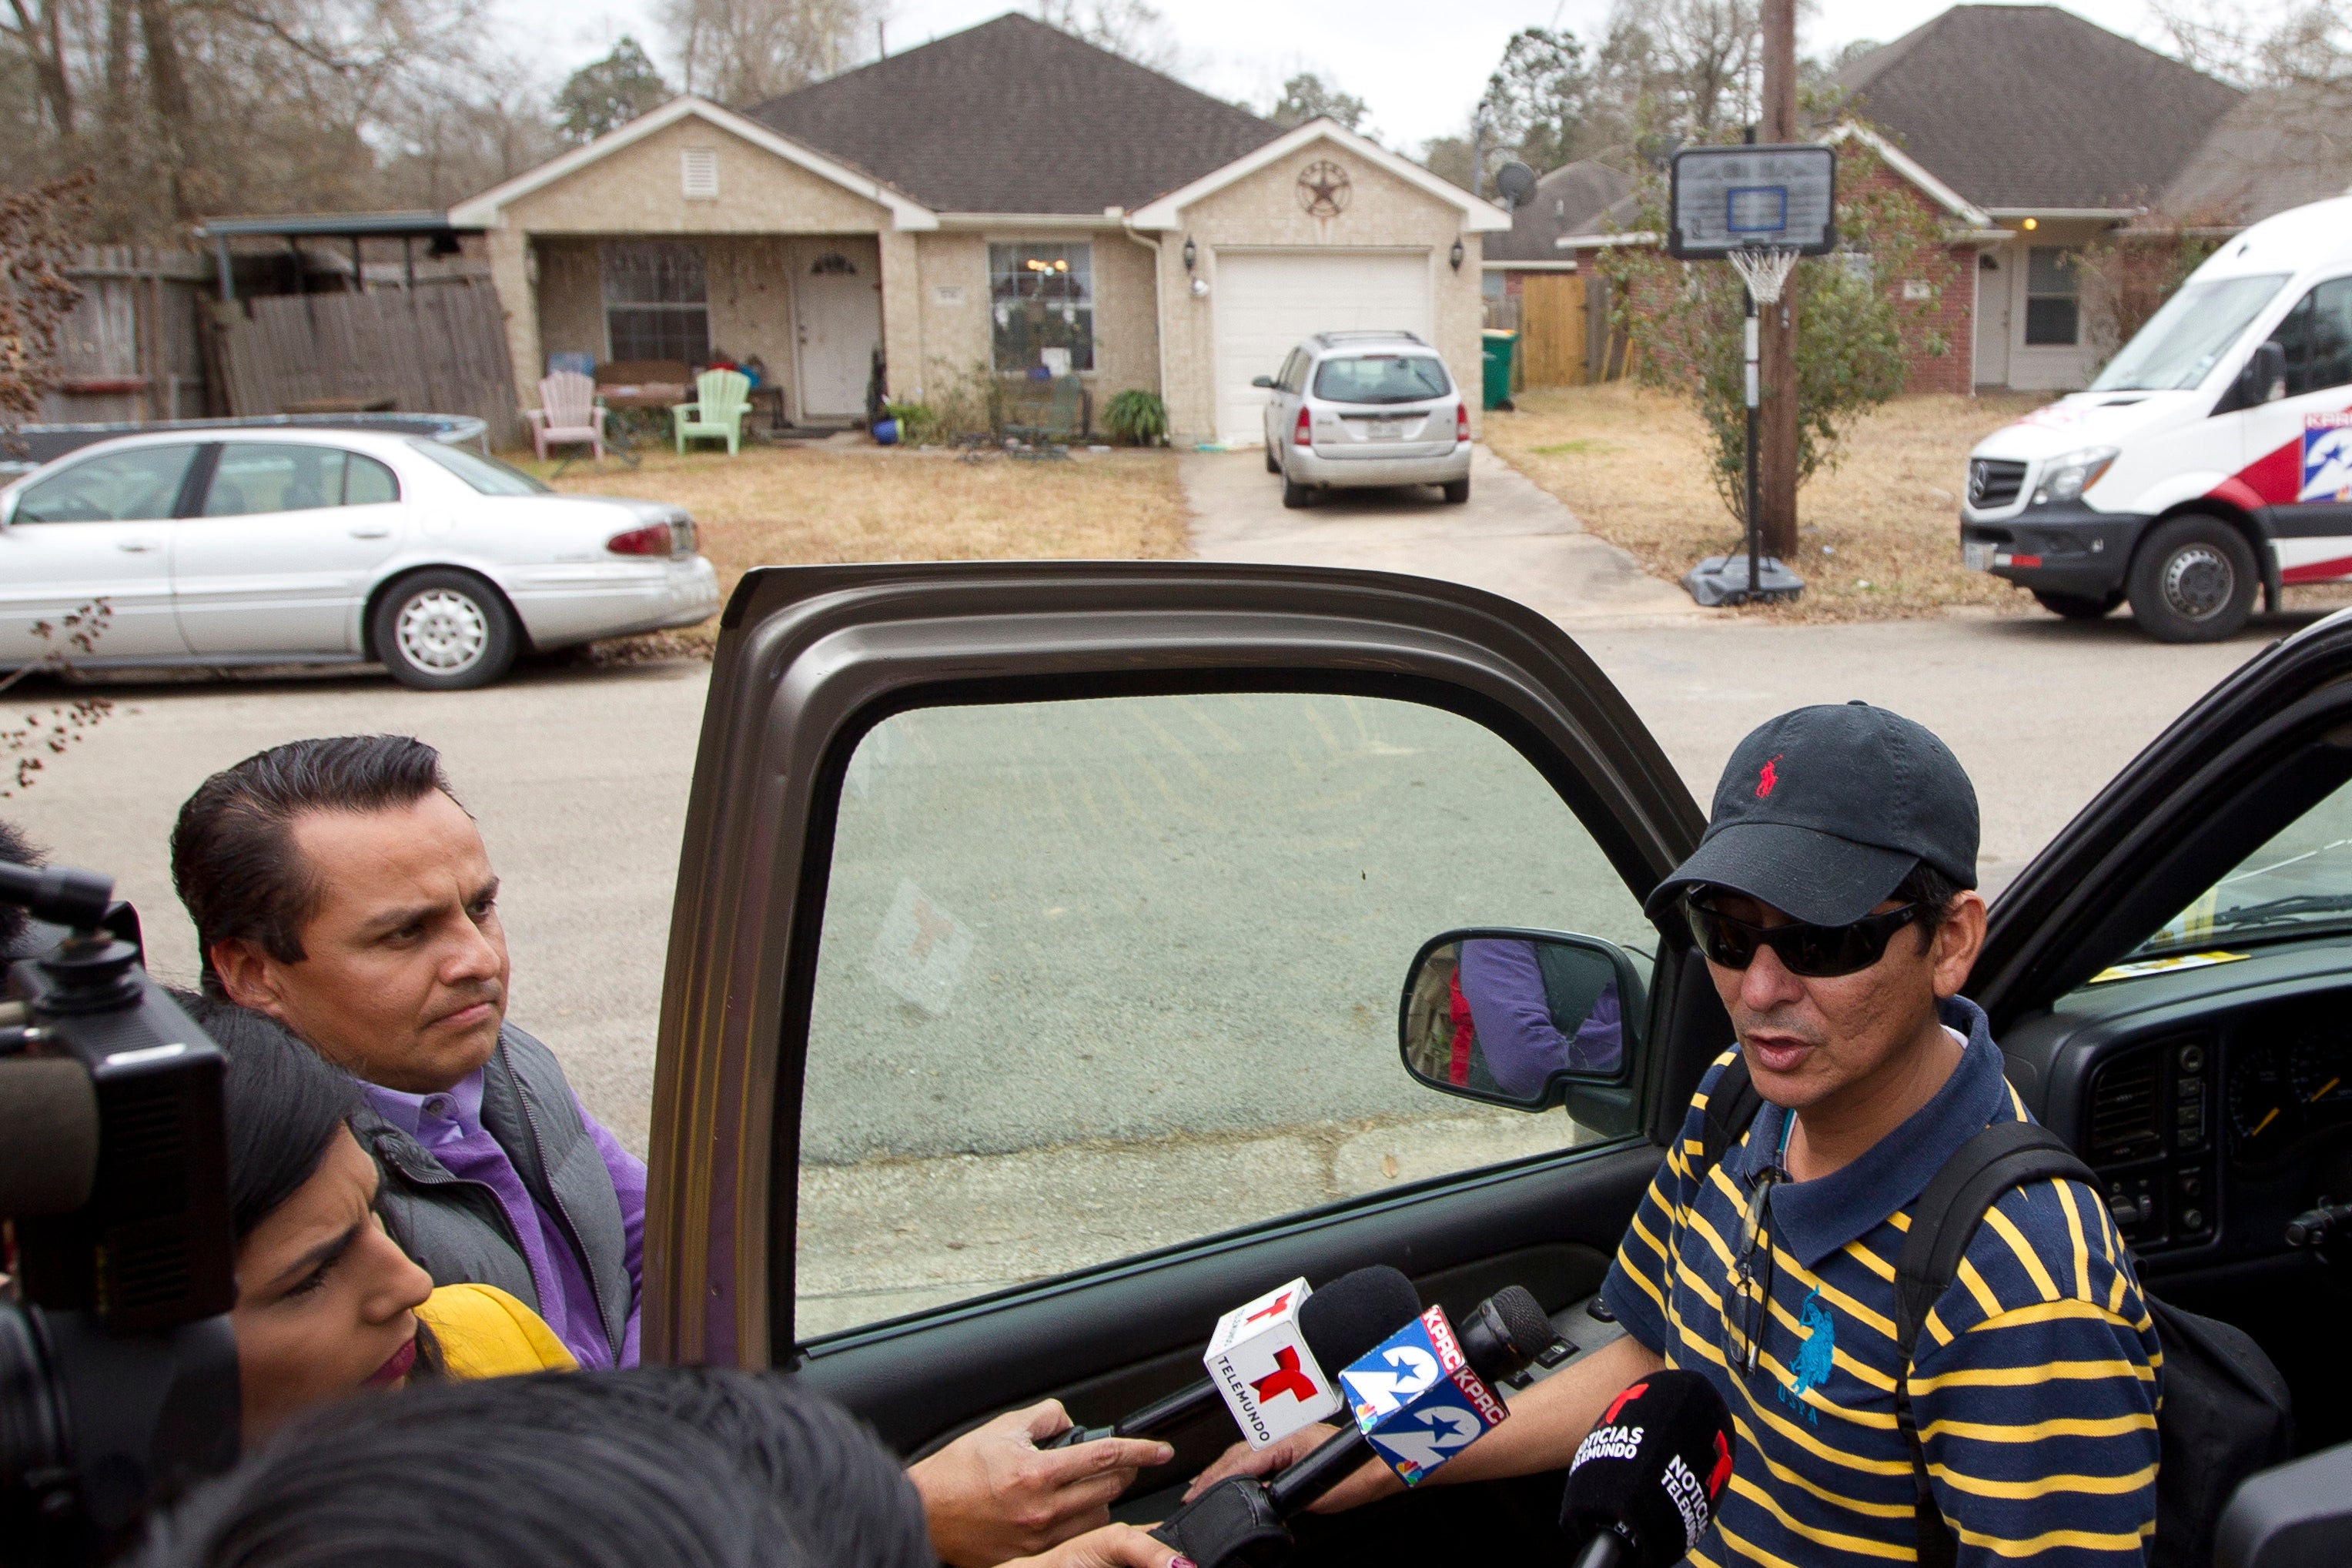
(1529, 1020)
(2265, 378)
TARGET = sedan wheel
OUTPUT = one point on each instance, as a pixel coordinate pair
(444, 631)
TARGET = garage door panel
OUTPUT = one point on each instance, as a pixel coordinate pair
(1267, 301)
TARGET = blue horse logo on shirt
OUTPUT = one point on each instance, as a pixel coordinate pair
(1810, 1368)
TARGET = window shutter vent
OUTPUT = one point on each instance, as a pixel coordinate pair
(698, 168)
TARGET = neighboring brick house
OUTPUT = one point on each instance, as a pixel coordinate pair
(2032, 133)
(1006, 197)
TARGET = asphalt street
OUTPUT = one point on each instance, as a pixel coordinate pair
(1214, 900)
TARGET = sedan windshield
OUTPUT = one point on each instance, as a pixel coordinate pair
(1381, 378)
(2297, 884)
(487, 475)
(2180, 342)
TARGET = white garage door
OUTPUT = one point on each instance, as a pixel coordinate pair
(1268, 300)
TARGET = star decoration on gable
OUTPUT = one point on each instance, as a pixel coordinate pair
(1324, 189)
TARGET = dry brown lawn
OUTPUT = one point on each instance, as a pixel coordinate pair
(784, 506)
(1878, 535)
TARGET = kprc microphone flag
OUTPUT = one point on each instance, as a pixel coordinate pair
(1260, 1362)
(1415, 1397)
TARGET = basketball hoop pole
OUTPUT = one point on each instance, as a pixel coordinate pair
(1755, 478)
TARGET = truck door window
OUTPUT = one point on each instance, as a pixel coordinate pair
(1103, 976)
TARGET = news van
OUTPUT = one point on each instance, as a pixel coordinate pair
(2213, 456)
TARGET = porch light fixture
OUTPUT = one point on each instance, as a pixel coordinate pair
(1454, 256)
(1191, 253)
(2029, 224)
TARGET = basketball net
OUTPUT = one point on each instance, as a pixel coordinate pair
(1763, 270)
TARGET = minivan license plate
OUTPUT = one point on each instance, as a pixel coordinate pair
(1387, 429)
(1975, 555)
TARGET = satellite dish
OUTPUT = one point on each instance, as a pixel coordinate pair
(1514, 182)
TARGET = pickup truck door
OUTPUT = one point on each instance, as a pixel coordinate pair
(1034, 977)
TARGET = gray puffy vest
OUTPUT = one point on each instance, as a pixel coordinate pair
(455, 1229)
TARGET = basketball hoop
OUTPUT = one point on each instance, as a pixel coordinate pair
(1764, 269)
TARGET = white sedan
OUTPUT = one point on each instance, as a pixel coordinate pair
(283, 546)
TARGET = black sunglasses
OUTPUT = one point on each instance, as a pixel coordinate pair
(1816, 952)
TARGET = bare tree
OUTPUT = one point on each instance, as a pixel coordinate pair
(1131, 29)
(741, 51)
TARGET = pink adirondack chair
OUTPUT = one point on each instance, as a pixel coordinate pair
(567, 412)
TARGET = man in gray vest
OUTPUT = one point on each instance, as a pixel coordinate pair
(337, 885)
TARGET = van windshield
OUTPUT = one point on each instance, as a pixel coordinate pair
(2180, 342)
(1381, 378)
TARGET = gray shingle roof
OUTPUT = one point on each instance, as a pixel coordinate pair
(1571, 200)
(2028, 106)
(1014, 116)
(2280, 148)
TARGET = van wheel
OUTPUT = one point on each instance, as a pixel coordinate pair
(2077, 606)
(1296, 496)
(444, 631)
(2194, 582)
(1457, 491)
(1273, 464)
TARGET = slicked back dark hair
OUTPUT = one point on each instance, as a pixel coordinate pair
(234, 858)
(14, 846)
(681, 1467)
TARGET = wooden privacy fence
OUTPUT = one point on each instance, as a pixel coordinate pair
(130, 350)
(1565, 340)
(439, 350)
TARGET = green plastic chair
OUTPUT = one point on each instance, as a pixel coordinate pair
(721, 397)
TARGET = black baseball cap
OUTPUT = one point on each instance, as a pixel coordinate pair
(1824, 811)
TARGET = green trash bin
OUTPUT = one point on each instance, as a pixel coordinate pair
(1500, 346)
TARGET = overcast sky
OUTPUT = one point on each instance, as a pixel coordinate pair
(1419, 66)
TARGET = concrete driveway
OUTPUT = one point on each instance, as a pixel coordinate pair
(1511, 537)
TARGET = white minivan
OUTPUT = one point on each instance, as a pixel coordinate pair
(2213, 455)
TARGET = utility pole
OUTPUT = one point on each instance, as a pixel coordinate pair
(1778, 349)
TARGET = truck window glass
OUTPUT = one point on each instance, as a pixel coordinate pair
(1103, 976)
(2182, 342)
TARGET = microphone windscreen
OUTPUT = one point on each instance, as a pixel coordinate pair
(1652, 1468)
(1343, 1321)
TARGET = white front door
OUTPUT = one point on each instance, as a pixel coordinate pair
(101, 529)
(279, 557)
(1992, 316)
(1266, 301)
(838, 299)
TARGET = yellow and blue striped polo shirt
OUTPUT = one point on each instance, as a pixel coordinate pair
(2034, 1383)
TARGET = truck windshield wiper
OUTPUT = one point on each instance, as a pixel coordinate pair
(2295, 910)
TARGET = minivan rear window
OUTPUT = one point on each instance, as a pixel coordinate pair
(1382, 378)
(2179, 344)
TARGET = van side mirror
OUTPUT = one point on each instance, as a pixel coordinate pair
(2265, 378)
(1529, 1020)
(1266, 382)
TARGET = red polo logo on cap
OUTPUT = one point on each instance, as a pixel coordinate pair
(1767, 779)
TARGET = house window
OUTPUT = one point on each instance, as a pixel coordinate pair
(1491, 284)
(2054, 315)
(656, 301)
(1042, 296)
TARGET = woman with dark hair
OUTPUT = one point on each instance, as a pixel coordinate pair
(327, 1304)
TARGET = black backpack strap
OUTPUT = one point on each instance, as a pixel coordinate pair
(2004, 1156)
(1731, 1105)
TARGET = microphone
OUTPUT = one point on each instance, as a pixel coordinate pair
(1422, 1395)
(1641, 1491)
(1337, 1325)
(1419, 1397)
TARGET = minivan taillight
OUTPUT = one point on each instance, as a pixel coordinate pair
(652, 539)
(1461, 422)
(1304, 434)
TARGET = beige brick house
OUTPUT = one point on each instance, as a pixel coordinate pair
(1007, 199)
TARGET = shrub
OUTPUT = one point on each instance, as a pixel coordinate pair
(1136, 417)
(918, 425)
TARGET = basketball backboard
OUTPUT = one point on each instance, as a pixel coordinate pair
(1782, 197)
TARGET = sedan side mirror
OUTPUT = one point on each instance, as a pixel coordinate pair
(1524, 1019)
(9, 507)
(1266, 382)
(2265, 378)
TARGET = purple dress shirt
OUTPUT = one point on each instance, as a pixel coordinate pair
(449, 1125)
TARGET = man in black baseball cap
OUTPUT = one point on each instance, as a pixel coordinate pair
(1832, 898)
